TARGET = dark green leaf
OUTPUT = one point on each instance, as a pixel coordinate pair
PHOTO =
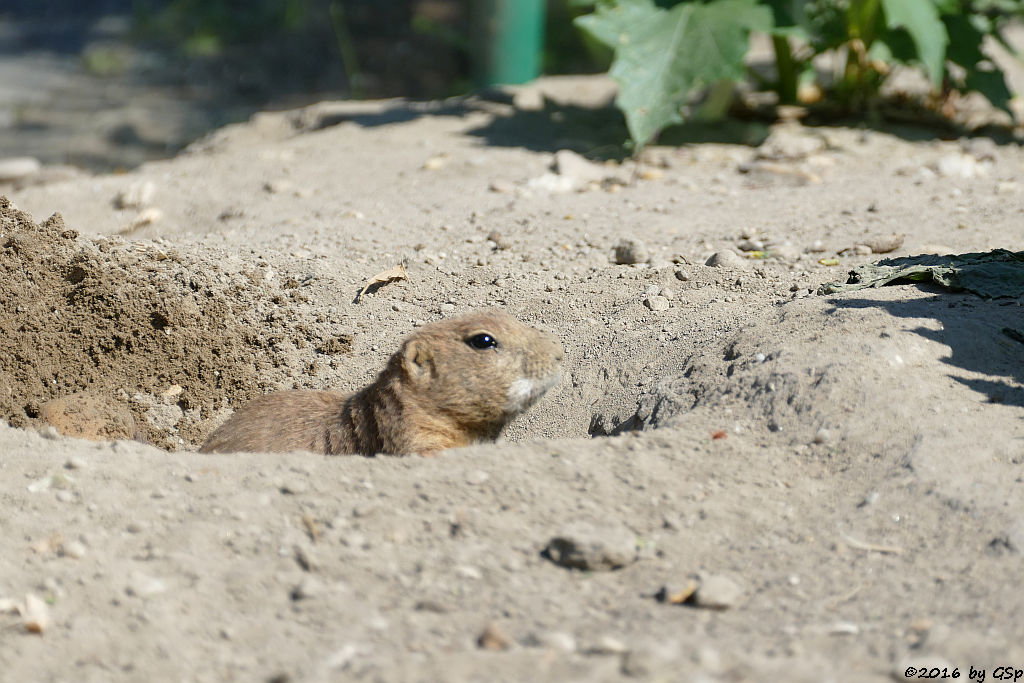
(662, 57)
(981, 75)
(920, 18)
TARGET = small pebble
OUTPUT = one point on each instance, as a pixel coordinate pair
(959, 166)
(17, 168)
(295, 487)
(582, 545)
(73, 549)
(682, 274)
(469, 572)
(607, 645)
(500, 241)
(366, 508)
(135, 196)
(717, 592)
(581, 170)
(144, 586)
(36, 614)
(822, 436)
(885, 244)
(76, 462)
(869, 499)
(493, 638)
(477, 477)
(502, 187)
(726, 259)
(308, 587)
(279, 186)
(432, 606)
(434, 163)
(355, 540)
(656, 303)
(172, 391)
(630, 251)
(843, 628)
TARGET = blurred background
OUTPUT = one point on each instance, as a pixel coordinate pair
(108, 84)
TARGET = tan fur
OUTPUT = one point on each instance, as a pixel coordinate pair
(436, 392)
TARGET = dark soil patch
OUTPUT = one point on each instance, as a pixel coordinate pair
(133, 323)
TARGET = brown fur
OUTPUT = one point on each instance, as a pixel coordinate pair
(436, 392)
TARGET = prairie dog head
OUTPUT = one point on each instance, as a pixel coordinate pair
(483, 368)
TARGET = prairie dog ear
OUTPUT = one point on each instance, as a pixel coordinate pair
(418, 360)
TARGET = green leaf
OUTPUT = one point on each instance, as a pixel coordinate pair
(920, 19)
(610, 23)
(663, 56)
(992, 274)
(947, 6)
(790, 19)
(981, 75)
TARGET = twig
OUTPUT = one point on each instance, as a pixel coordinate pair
(861, 545)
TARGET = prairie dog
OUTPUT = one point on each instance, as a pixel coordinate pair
(452, 383)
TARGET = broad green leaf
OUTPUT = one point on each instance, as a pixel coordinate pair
(965, 50)
(920, 19)
(662, 56)
(610, 24)
(947, 6)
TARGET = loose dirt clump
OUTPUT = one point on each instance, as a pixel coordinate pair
(171, 338)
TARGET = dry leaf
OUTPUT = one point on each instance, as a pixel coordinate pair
(384, 277)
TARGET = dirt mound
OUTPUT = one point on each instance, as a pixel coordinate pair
(171, 337)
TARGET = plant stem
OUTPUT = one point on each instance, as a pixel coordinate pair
(786, 67)
(347, 49)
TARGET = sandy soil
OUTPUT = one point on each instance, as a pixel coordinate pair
(841, 474)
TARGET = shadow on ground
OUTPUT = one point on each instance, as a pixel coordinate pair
(975, 331)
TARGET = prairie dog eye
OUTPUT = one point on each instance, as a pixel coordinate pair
(482, 341)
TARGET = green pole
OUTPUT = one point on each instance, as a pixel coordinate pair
(509, 40)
